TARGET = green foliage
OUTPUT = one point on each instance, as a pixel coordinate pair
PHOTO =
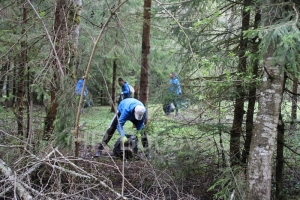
(199, 41)
(65, 117)
(229, 182)
(64, 123)
(283, 37)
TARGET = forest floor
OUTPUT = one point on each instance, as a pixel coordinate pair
(173, 173)
(146, 179)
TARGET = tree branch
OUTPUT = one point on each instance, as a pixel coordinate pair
(6, 171)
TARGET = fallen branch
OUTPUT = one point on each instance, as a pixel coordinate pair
(22, 192)
(29, 171)
(86, 176)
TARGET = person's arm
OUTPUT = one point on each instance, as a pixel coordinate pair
(121, 122)
(140, 123)
(126, 90)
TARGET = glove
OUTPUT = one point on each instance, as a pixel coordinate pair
(124, 139)
(138, 135)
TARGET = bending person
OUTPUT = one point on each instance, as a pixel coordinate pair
(129, 109)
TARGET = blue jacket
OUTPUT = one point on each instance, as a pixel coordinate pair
(126, 108)
(126, 90)
(79, 88)
(175, 86)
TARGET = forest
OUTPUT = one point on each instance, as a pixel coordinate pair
(235, 135)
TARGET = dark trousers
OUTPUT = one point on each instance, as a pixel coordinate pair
(171, 98)
(113, 126)
(169, 106)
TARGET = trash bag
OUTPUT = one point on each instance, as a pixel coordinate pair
(131, 147)
(166, 106)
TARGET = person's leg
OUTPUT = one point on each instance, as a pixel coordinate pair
(165, 107)
(111, 130)
(169, 107)
(88, 101)
(145, 144)
(176, 107)
(144, 141)
(107, 136)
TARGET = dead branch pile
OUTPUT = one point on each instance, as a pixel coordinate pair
(52, 175)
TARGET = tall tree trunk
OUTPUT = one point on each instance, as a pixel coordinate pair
(223, 164)
(2, 80)
(60, 37)
(114, 78)
(73, 25)
(21, 76)
(236, 130)
(145, 68)
(73, 29)
(264, 133)
(279, 159)
(279, 155)
(29, 106)
(294, 107)
(259, 173)
(14, 83)
(9, 84)
(252, 96)
(113, 88)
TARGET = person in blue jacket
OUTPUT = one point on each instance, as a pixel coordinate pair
(133, 110)
(79, 86)
(78, 90)
(174, 93)
(125, 88)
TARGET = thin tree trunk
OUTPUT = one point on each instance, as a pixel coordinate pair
(73, 25)
(221, 141)
(14, 83)
(87, 72)
(21, 76)
(279, 159)
(113, 88)
(236, 130)
(249, 118)
(114, 78)
(2, 80)
(294, 107)
(29, 104)
(252, 97)
(9, 85)
(279, 155)
(144, 79)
